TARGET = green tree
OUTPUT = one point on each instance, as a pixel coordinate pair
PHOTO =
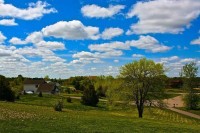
(189, 73)
(89, 97)
(46, 78)
(143, 80)
(5, 91)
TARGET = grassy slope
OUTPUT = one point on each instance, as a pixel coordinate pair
(22, 117)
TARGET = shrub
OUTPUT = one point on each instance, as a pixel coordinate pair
(89, 97)
(17, 97)
(40, 94)
(69, 100)
(5, 91)
(101, 92)
(58, 106)
(192, 101)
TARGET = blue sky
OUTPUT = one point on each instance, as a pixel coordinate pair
(87, 37)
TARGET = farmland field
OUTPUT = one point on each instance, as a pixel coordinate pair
(36, 114)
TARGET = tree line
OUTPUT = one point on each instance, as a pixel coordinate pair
(140, 81)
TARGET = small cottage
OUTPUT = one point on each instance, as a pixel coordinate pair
(40, 85)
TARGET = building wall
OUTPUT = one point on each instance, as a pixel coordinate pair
(30, 87)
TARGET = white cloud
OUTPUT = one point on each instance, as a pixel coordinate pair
(116, 61)
(36, 38)
(1, 1)
(101, 12)
(84, 57)
(51, 45)
(52, 58)
(169, 59)
(109, 46)
(17, 41)
(137, 55)
(196, 41)
(71, 30)
(163, 16)
(187, 60)
(5, 52)
(149, 44)
(2, 38)
(33, 11)
(84, 54)
(113, 53)
(109, 33)
(8, 22)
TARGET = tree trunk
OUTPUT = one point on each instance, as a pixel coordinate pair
(140, 113)
(140, 110)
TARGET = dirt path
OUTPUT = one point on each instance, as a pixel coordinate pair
(184, 113)
(175, 101)
(178, 102)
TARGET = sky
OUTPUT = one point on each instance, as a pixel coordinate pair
(96, 37)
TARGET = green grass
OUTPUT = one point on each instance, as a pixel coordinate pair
(34, 114)
(175, 90)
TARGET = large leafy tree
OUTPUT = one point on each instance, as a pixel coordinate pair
(5, 91)
(143, 80)
(189, 73)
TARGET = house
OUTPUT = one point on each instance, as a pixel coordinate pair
(40, 85)
(49, 88)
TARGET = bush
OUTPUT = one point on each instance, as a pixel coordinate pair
(58, 106)
(40, 94)
(192, 101)
(89, 97)
(17, 97)
(69, 100)
(5, 91)
(101, 92)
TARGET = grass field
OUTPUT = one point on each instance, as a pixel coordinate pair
(35, 114)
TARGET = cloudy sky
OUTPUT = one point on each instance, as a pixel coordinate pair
(85, 37)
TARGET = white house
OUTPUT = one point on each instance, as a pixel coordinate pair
(32, 84)
(40, 85)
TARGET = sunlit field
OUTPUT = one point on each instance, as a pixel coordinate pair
(36, 114)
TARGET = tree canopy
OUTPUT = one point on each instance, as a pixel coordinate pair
(143, 80)
(189, 72)
(5, 91)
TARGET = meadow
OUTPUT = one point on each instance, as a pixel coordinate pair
(36, 114)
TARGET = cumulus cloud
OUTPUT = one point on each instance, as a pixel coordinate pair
(84, 54)
(169, 59)
(149, 44)
(116, 61)
(1, 1)
(4, 51)
(8, 22)
(101, 12)
(36, 38)
(137, 55)
(109, 33)
(71, 30)
(84, 57)
(33, 11)
(17, 41)
(109, 46)
(2, 38)
(188, 60)
(51, 45)
(163, 16)
(196, 41)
